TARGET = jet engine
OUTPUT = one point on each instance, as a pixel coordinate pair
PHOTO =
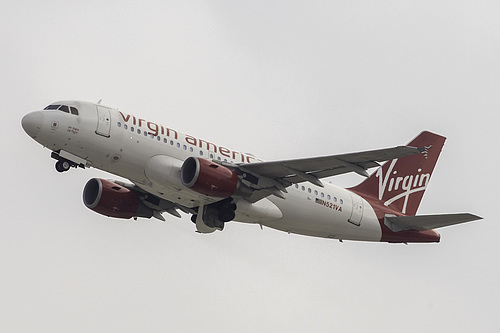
(211, 179)
(110, 199)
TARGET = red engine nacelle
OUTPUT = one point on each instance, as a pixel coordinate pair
(110, 199)
(208, 178)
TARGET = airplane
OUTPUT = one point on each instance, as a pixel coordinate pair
(174, 172)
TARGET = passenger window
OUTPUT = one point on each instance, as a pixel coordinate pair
(184, 147)
(341, 201)
(178, 145)
(158, 138)
(201, 152)
(315, 192)
(119, 124)
(125, 126)
(74, 110)
(132, 128)
(138, 131)
(165, 140)
(309, 190)
(191, 149)
(329, 197)
(303, 188)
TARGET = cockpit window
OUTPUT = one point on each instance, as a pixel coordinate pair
(63, 108)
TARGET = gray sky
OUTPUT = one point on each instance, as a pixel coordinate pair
(279, 79)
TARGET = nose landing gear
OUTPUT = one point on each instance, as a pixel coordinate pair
(63, 165)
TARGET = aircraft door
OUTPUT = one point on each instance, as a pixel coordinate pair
(357, 209)
(103, 121)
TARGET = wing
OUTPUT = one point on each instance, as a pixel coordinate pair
(273, 177)
(157, 204)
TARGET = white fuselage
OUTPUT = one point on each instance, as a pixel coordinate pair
(138, 150)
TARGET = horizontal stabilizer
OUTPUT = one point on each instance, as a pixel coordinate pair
(427, 222)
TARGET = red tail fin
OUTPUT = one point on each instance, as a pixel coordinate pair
(400, 183)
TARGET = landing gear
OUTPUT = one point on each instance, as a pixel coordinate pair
(218, 213)
(63, 165)
(227, 211)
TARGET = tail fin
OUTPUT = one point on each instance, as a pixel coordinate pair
(400, 183)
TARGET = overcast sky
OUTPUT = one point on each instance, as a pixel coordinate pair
(280, 79)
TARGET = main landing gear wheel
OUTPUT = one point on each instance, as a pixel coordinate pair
(62, 166)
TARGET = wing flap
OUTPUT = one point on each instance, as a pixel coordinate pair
(427, 222)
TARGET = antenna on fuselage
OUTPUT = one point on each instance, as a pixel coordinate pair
(99, 103)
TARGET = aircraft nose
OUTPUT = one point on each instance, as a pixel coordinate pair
(32, 122)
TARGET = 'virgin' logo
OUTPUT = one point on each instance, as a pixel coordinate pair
(404, 186)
